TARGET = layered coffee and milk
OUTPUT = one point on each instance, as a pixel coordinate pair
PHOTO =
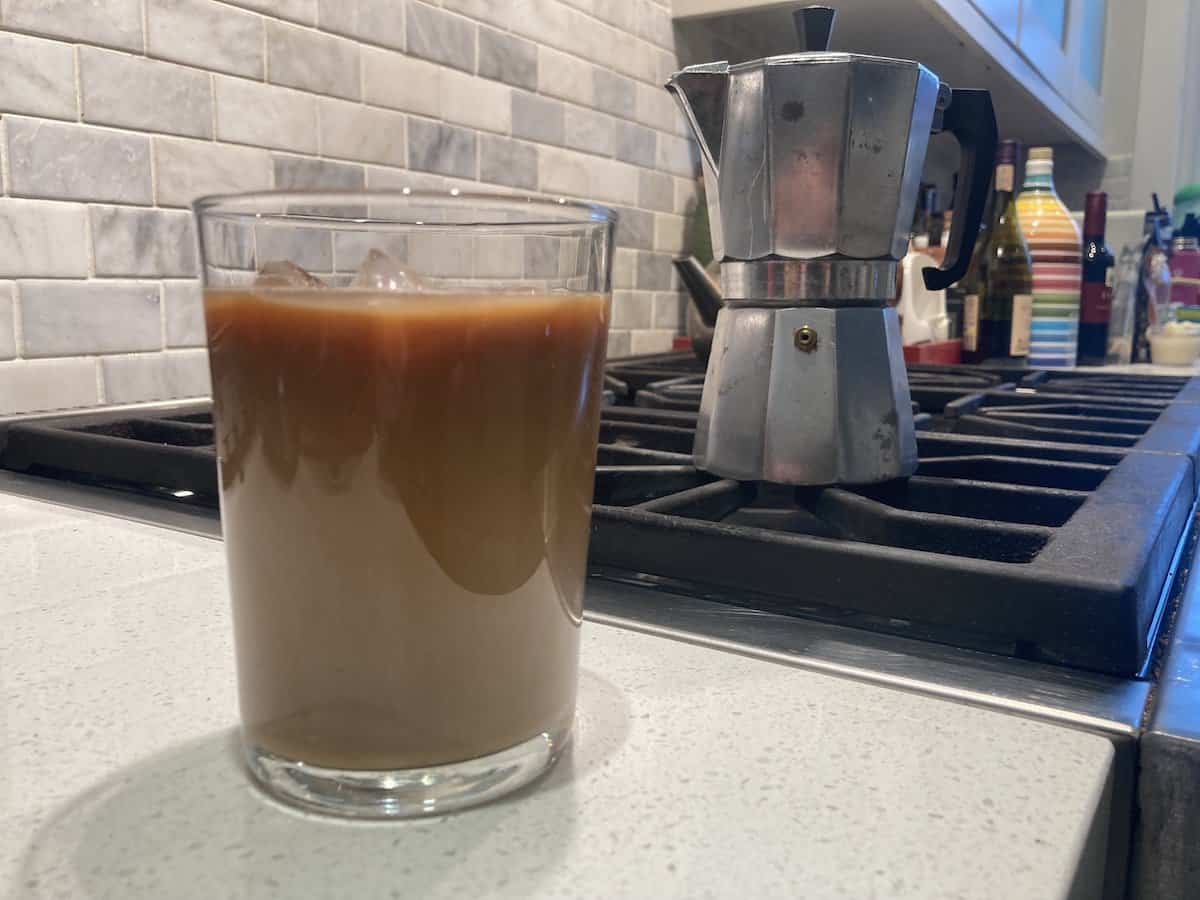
(406, 487)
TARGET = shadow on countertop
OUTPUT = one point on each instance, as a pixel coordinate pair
(187, 823)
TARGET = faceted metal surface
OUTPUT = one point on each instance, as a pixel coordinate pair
(810, 155)
(830, 408)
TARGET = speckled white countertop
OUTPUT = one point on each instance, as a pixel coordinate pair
(695, 773)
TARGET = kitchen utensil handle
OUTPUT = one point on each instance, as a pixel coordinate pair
(971, 118)
(814, 27)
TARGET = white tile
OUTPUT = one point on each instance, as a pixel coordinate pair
(77, 162)
(495, 12)
(110, 23)
(669, 232)
(265, 115)
(62, 318)
(440, 36)
(8, 321)
(374, 21)
(145, 94)
(687, 194)
(354, 131)
(155, 376)
(653, 341)
(306, 59)
(37, 77)
(183, 311)
(565, 76)
(618, 344)
(304, 11)
(206, 34)
(185, 170)
(565, 172)
(624, 271)
(477, 102)
(42, 384)
(677, 155)
(154, 242)
(668, 309)
(42, 239)
(401, 82)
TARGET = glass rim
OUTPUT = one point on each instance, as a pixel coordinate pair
(539, 211)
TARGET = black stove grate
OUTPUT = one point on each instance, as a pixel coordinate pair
(1041, 523)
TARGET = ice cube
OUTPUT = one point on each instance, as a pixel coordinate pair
(280, 274)
(383, 272)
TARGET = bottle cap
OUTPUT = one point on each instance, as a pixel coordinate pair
(1041, 153)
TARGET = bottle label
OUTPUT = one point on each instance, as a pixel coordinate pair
(1022, 324)
(1095, 306)
(1005, 178)
(970, 336)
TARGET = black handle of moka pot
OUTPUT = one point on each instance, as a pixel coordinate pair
(972, 120)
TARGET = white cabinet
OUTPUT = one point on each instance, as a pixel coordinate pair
(1044, 38)
(1005, 15)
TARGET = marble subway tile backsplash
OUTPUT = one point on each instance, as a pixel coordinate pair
(116, 114)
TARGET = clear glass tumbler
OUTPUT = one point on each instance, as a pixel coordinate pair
(406, 389)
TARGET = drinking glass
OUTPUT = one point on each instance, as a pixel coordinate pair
(406, 393)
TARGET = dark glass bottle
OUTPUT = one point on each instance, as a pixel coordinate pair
(1095, 304)
(1000, 283)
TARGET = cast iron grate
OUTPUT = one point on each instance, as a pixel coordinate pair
(1041, 523)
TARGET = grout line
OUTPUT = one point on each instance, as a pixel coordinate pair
(145, 27)
(78, 84)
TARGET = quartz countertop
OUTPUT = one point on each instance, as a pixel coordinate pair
(694, 772)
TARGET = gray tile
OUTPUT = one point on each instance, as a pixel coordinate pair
(183, 312)
(654, 24)
(110, 23)
(668, 310)
(435, 147)
(8, 322)
(618, 344)
(656, 191)
(631, 309)
(507, 58)
(155, 376)
(265, 115)
(155, 242)
(636, 144)
(303, 11)
(440, 36)
(77, 162)
(206, 34)
(354, 131)
(374, 21)
(677, 155)
(537, 118)
(42, 239)
(321, 63)
(656, 108)
(567, 172)
(588, 130)
(294, 172)
(548, 22)
(185, 170)
(614, 93)
(509, 162)
(499, 256)
(670, 232)
(653, 271)
(309, 248)
(379, 178)
(350, 248)
(37, 77)
(401, 82)
(118, 89)
(228, 245)
(635, 228)
(60, 318)
(37, 385)
(496, 12)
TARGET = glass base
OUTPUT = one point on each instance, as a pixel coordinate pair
(404, 793)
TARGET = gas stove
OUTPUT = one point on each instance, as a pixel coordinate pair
(1036, 563)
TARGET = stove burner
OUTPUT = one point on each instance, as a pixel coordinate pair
(1041, 522)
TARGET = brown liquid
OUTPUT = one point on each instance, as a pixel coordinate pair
(406, 485)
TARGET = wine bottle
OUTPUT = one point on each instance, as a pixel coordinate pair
(1095, 306)
(1002, 277)
(1054, 245)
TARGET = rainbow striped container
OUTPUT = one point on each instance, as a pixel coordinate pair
(1055, 246)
